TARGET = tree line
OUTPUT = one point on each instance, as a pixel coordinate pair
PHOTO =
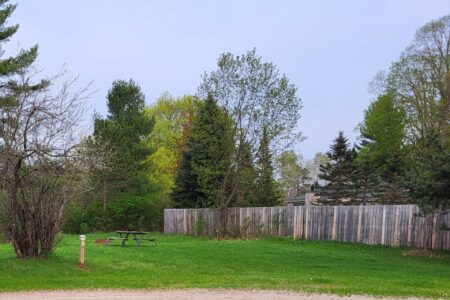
(403, 151)
(229, 144)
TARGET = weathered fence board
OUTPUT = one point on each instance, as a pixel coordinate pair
(393, 225)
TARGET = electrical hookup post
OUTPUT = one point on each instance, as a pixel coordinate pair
(82, 244)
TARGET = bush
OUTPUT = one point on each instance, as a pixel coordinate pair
(137, 212)
(74, 216)
(127, 212)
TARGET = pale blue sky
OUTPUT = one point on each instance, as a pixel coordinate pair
(329, 49)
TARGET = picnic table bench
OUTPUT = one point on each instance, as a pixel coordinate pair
(137, 237)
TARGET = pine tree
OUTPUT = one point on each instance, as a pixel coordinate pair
(267, 189)
(206, 159)
(338, 172)
(12, 66)
(123, 132)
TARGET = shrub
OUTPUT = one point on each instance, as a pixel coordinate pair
(126, 212)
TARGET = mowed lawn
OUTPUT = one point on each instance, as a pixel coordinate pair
(269, 263)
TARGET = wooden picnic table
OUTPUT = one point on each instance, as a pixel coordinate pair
(137, 237)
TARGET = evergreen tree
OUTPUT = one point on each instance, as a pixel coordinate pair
(124, 132)
(185, 192)
(429, 178)
(267, 189)
(382, 135)
(247, 178)
(338, 172)
(365, 180)
(206, 159)
(12, 66)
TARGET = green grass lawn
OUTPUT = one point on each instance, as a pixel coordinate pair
(270, 263)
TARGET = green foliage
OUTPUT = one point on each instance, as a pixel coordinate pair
(25, 58)
(267, 188)
(137, 212)
(429, 177)
(256, 96)
(338, 172)
(413, 110)
(162, 164)
(200, 227)
(122, 193)
(173, 122)
(265, 109)
(382, 156)
(75, 215)
(122, 135)
(419, 81)
(246, 177)
(11, 66)
(185, 192)
(293, 175)
(365, 179)
(124, 212)
(206, 159)
(382, 136)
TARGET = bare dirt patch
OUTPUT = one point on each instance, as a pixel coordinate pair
(423, 253)
(188, 294)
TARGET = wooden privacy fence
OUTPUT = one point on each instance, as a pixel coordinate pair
(393, 225)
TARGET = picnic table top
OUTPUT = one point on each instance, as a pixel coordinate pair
(131, 231)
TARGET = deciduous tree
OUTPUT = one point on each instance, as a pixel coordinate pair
(293, 173)
(173, 123)
(258, 98)
(420, 81)
(38, 132)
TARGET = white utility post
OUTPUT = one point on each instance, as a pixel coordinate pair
(82, 243)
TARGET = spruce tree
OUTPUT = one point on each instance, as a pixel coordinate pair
(207, 158)
(185, 192)
(338, 172)
(365, 179)
(247, 178)
(267, 189)
(429, 178)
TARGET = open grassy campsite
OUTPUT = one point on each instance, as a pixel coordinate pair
(245, 150)
(191, 262)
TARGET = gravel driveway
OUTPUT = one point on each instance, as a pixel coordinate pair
(216, 294)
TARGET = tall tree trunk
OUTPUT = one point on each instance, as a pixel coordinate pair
(223, 222)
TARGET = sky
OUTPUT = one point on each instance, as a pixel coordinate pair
(329, 49)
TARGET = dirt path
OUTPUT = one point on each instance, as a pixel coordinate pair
(218, 294)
